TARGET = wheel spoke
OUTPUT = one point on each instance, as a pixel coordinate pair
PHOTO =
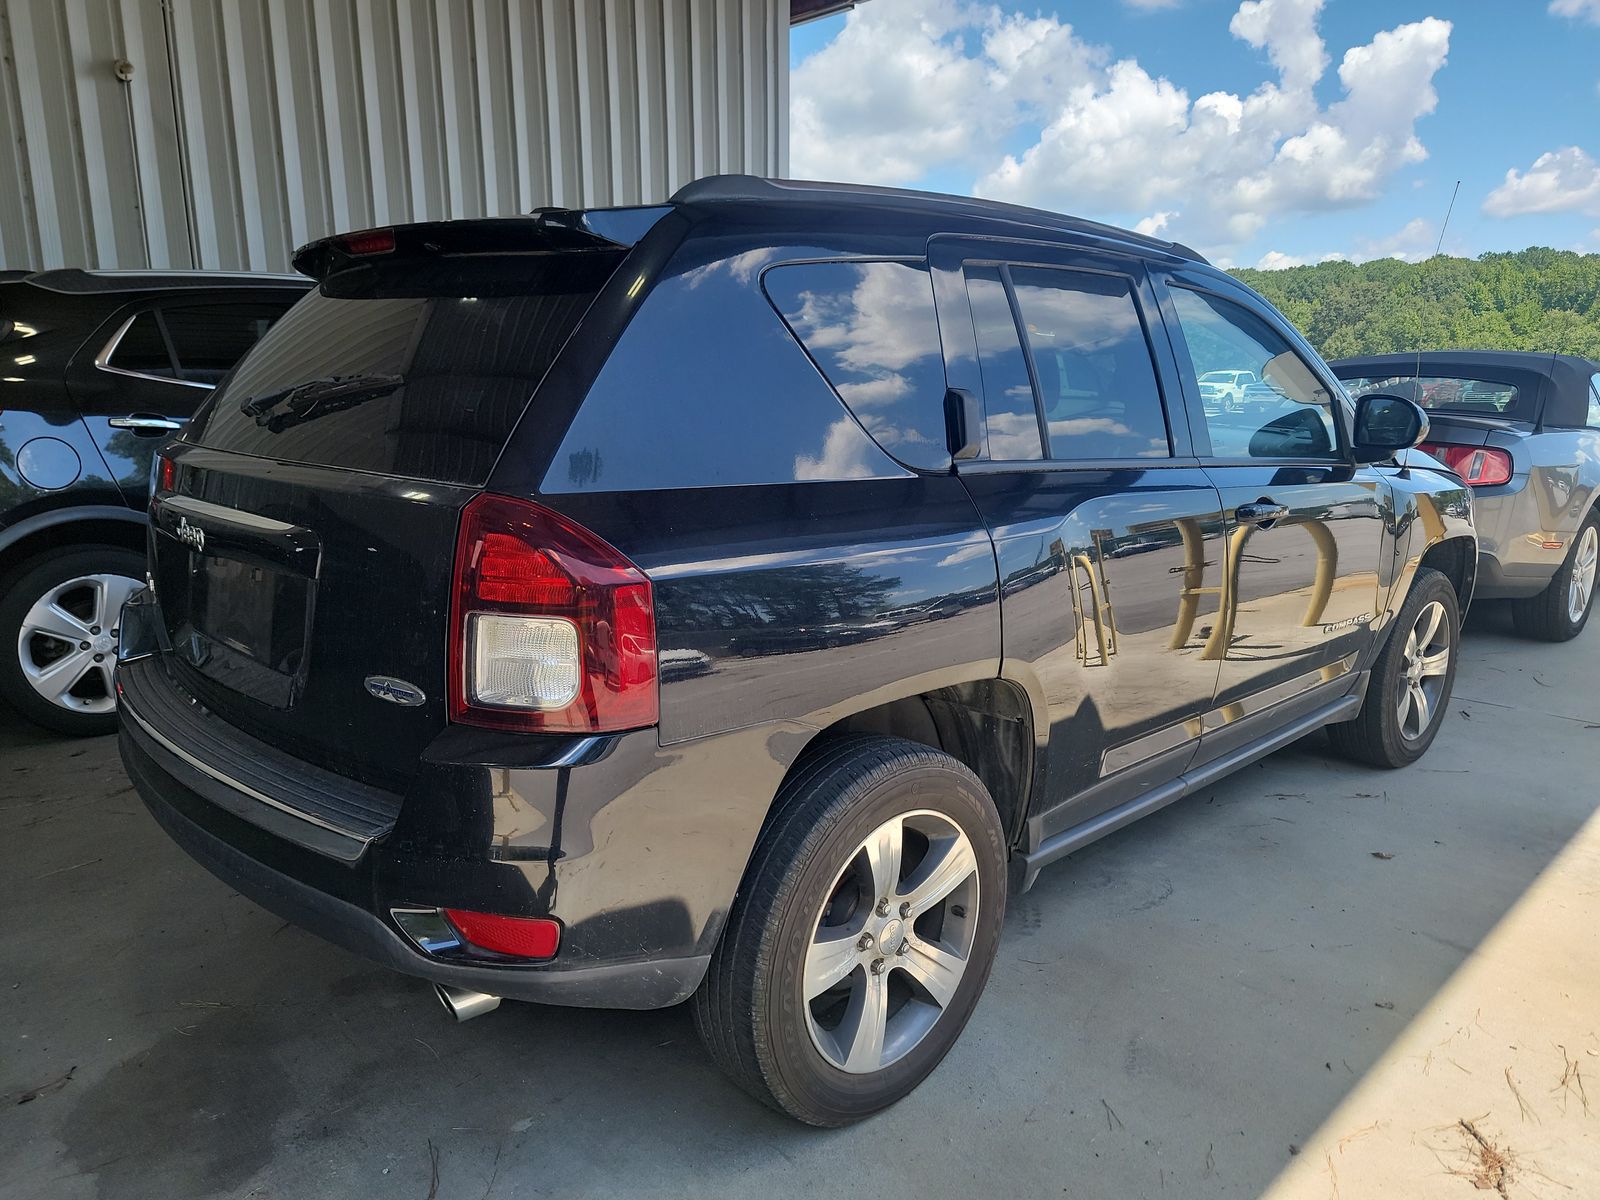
(1405, 705)
(58, 678)
(860, 1033)
(1436, 664)
(1419, 703)
(1434, 614)
(55, 621)
(114, 593)
(948, 864)
(936, 968)
(829, 960)
(883, 856)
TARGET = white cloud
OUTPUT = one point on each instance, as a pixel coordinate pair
(1588, 10)
(1153, 225)
(1565, 180)
(1412, 242)
(909, 88)
(1274, 260)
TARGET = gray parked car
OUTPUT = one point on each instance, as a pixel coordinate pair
(1524, 430)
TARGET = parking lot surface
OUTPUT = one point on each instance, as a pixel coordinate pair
(1312, 980)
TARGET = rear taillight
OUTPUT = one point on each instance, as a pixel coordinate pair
(551, 630)
(368, 241)
(522, 937)
(1480, 466)
(163, 477)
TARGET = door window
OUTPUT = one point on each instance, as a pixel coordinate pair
(1594, 402)
(1091, 360)
(1286, 413)
(1011, 417)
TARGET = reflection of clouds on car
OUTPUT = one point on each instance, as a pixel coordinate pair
(843, 455)
(1014, 435)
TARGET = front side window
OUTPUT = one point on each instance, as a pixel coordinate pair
(1594, 402)
(1097, 383)
(1454, 392)
(871, 329)
(1284, 412)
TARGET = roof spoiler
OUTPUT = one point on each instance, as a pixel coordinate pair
(544, 231)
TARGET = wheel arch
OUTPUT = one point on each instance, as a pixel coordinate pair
(69, 529)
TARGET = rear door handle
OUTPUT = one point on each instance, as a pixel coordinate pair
(1261, 512)
(145, 423)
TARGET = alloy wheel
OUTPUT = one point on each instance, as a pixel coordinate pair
(892, 942)
(1427, 663)
(1581, 586)
(67, 645)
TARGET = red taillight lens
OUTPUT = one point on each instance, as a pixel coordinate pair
(167, 477)
(523, 937)
(368, 241)
(1480, 466)
(552, 629)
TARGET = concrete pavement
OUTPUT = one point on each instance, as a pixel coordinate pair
(1214, 1002)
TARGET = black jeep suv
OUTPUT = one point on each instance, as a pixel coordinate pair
(97, 369)
(916, 495)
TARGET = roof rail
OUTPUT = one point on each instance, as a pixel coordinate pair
(723, 189)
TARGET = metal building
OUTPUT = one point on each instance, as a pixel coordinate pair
(223, 133)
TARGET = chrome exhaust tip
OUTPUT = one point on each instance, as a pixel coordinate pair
(464, 1005)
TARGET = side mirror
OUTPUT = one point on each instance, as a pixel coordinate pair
(1386, 425)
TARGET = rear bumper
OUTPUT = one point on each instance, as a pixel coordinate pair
(654, 984)
(637, 852)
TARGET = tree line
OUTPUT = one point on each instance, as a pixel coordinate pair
(1534, 299)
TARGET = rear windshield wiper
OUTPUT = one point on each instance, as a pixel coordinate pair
(315, 398)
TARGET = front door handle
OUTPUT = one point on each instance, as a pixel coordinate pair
(1262, 512)
(145, 423)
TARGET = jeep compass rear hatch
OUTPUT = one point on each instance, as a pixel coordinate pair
(305, 527)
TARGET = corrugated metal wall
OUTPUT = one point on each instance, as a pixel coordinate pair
(251, 126)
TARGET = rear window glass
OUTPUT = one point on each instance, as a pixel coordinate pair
(142, 348)
(452, 352)
(1010, 414)
(871, 328)
(209, 340)
(1455, 392)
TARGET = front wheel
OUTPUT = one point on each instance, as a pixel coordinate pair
(1410, 685)
(863, 933)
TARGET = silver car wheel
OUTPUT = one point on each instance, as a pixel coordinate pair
(67, 645)
(1427, 663)
(1581, 587)
(892, 942)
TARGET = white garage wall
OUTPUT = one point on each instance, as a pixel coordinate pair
(252, 126)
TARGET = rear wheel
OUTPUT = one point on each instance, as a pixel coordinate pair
(58, 637)
(1559, 613)
(863, 933)
(1411, 681)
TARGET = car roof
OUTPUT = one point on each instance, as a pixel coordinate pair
(931, 212)
(1556, 385)
(1538, 361)
(79, 281)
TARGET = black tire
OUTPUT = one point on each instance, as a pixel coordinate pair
(1548, 616)
(751, 1011)
(1376, 736)
(32, 581)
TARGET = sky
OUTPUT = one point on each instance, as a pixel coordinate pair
(1265, 133)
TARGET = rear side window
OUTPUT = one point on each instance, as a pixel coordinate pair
(142, 349)
(452, 351)
(1097, 383)
(871, 328)
(1455, 392)
(210, 340)
(1594, 402)
(1009, 410)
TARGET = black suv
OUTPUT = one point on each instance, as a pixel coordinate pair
(736, 599)
(97, 369)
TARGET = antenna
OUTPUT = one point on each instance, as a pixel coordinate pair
(1417, 378)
